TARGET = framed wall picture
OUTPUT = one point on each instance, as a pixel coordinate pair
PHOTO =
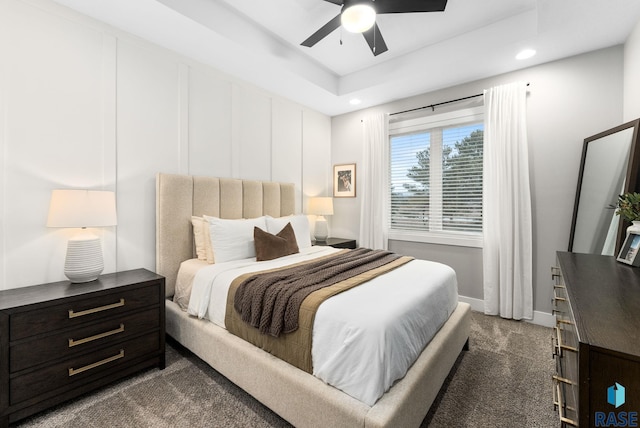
(344, 181)
(629, 252)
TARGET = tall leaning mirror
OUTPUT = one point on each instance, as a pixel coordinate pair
(609, 168)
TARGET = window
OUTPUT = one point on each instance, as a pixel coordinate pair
(436, 178)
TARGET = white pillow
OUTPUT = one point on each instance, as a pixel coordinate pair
(202, 239)
(300, 224)
(233, 239)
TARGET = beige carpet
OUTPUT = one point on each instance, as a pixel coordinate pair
(502, 381)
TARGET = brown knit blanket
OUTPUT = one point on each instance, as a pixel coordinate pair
(271, 301)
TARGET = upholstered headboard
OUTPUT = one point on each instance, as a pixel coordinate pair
(178, 197)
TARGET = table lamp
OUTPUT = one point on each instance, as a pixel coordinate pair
(321, 206)
(81, 209)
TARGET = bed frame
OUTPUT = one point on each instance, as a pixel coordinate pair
(298, 397)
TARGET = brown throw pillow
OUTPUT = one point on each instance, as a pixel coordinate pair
(269, 247)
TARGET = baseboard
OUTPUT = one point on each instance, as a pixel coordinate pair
(476, 304)
(540, 318)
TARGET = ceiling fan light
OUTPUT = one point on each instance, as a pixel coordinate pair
(358, 18)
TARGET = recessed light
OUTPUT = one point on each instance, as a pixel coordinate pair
(525, 54)
(355, 102)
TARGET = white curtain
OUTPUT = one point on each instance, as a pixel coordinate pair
(507, 248)
(374, 188)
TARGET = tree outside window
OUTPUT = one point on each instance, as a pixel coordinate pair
(436, 179)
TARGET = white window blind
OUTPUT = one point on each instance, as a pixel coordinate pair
(436, 176)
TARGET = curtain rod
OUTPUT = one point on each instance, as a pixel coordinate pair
(433, 106)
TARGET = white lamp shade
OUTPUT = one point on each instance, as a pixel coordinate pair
(82, 208)
(321, 206)
(358, 18)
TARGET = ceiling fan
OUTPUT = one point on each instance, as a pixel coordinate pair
(359, 16)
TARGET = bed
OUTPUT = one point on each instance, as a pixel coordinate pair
(297, 396)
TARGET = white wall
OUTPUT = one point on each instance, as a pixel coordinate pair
(568, 100)
(83, 105)
(631, 74)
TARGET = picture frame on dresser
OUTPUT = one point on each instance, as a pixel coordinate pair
(629, 251)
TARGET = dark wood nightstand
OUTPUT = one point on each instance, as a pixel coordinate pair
(61, 340)
(337, 243)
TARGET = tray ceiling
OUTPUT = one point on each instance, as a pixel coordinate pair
(259, 41)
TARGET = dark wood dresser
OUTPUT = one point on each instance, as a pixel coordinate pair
(596, 341)
(61, 340)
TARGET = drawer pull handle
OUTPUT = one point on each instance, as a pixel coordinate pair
(560, 404)
(561, 321)
(562, 345)
(557, 298)
(73, 371)
(563, 380)
(73, 314)
(73, 342)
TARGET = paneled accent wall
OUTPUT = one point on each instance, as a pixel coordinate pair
(83, 105)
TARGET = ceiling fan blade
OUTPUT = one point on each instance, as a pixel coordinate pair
(408, 6)
(322, 32)
(338, 2)
(375, 41)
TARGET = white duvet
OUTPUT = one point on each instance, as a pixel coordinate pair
(364, 339)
